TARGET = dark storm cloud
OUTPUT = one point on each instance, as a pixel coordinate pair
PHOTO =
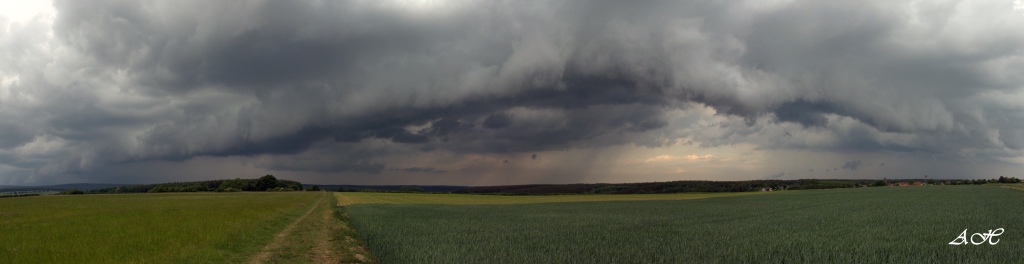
(497, 121)
(294, 164)
(852, 165)
(804, 113)
(325, 157)
(13, 134)
(125, 81)
(423, 169)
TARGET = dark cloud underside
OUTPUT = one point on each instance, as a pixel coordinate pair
(343, 86)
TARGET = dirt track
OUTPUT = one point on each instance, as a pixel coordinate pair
(279, 239)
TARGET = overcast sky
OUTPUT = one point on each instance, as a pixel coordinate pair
(513, 92)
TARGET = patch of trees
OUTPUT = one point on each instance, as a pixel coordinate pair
(265, 183)
(1007, 180)
(71, 192)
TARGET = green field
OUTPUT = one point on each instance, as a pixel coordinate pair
(350, 198)
(147, 228)
(883, 224)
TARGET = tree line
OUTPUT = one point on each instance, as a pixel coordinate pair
(665, 187)
(265, 183)
(708, 186)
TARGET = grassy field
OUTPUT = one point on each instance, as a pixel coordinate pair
(1016, 186)
(147, 228)
(350, 198)
(883, 224)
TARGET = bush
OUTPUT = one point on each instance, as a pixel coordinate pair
(229, 189)
(72, 191)
(410, 189)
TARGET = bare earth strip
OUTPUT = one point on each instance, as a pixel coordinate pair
(279, 239)
(322, 252)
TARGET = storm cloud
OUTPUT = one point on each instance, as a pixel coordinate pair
(338, 87)
(852, 165)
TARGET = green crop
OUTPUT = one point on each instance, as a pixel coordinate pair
(144, 228)
(348, 198)
(864, 225)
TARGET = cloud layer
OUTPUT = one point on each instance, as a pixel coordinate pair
(373, 86)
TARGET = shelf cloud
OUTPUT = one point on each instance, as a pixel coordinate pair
(473, 92)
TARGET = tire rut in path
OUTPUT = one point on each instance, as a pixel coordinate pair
(269, 249)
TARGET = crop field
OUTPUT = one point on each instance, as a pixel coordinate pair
(350, 198)
(147, 228)
(881, 224)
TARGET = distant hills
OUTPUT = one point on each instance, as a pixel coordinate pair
(425, 188)
(530, 189)
(665, 187)
(58, 187)
(106, 186)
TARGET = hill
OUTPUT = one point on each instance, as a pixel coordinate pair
(265, 183)
(425, 188)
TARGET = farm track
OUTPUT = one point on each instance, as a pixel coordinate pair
(279, 238)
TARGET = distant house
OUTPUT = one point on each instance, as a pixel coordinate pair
(766, 189)
(917, 183)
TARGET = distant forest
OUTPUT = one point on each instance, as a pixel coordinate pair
(265, 183)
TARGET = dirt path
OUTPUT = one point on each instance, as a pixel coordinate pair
(323, 251)
(269, 249)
